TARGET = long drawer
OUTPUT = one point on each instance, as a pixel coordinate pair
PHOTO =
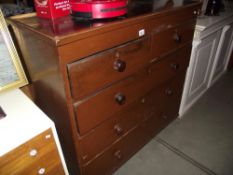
(98, 71)
(94, 110)
(37, 156)
(151, 124)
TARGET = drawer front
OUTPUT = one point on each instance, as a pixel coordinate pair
(97, 71)
(169, 96)
(102, 40)
(96, 109)
(171, 39)
(171, 20)
(119, 152)
(36, 156)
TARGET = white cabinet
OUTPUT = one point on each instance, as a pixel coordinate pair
(197, 75)
(211, 50)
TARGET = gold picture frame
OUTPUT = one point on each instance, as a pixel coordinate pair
(12, 74)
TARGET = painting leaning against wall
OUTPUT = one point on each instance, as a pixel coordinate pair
(11, 71)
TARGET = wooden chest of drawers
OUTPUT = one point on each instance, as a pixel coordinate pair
(111, 85)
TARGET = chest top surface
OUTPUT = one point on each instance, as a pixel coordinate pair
(65, 30)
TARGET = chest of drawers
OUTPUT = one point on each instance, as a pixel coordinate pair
(111, 85)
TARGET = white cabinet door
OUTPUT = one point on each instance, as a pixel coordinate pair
(198, 73)
(222, 54)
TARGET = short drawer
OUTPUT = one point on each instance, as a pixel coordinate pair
(93, 110)
(166, 99)
(171, 39)
(155, 120)
(37, 156)
(98, 71)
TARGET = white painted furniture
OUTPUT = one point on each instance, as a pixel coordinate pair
(212, 46)
(28, 138)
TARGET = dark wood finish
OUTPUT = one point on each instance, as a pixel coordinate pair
(123, 121)
(103, 85)
(154, 120)
(86, 75)
(172, 38)
(19, 161)
(131, 88)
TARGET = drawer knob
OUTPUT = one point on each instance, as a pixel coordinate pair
(120, 98)
(168, 92)
(118, 129)
(33, 153)
(41, 171)
(177, 38)
(175, 66)
(196, 12)
(119, 65)
(165, 117)
(118, 154)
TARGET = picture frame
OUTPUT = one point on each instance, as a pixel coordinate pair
(12, 74)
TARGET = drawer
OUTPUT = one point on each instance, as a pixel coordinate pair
(169, 95)
(93, 110)
(119, 152)
(171, 20)
(38, 154)
(89, 74)
(102, 39)
(171, 39)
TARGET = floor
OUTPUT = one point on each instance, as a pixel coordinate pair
(201, 143)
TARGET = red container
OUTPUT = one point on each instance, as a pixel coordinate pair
(98, 9)
(52, 8)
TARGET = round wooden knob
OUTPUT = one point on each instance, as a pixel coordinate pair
(120, 98)
(118, 129)
(118, 154)
(119, 65)
(168, 92)
(175, 66)
(177, 38)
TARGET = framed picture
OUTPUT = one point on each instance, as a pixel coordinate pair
(11, 71)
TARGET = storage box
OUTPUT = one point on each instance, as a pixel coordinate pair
(52, 8)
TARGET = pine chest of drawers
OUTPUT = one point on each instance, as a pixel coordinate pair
(111, 85)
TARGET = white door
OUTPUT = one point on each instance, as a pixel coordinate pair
(222, 53)
(198, 74)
